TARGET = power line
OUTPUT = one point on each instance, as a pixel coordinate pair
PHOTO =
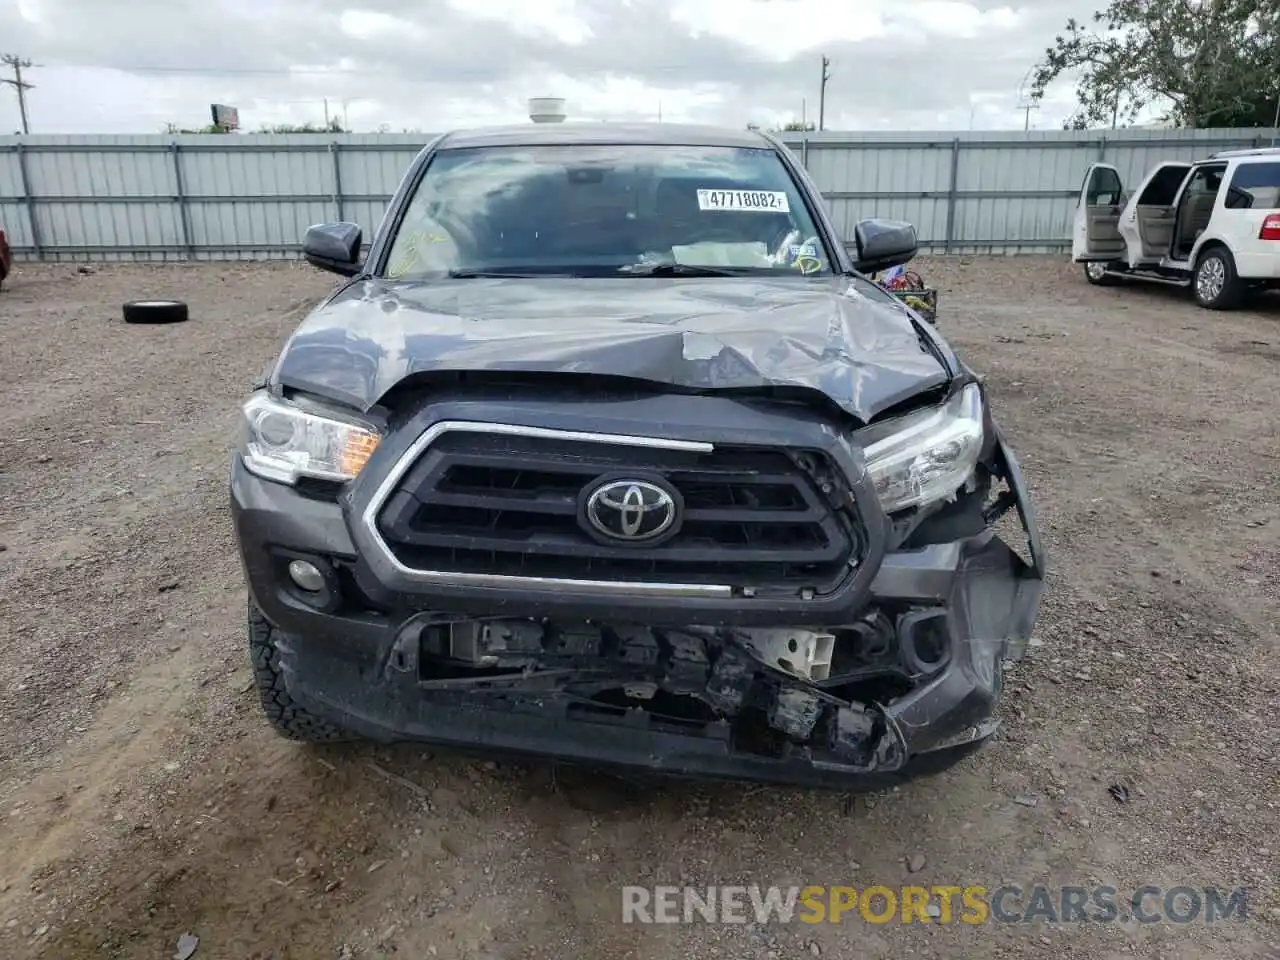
(215, 71)
(18, 84)
(655, 67)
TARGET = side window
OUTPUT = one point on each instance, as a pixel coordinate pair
(1104, 188)
(1164, 186)
(1255, 186)
(1205, 182)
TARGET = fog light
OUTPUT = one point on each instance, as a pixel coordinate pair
(926, 640)
(306, 575)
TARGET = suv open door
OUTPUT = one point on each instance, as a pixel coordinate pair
(1150, 216)
(1095, 232)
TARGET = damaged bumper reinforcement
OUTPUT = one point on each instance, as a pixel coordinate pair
(879, 661)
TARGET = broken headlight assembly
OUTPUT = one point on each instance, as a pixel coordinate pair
(926, 455)
(285, 440)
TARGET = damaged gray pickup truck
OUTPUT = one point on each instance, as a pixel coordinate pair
(604, 451)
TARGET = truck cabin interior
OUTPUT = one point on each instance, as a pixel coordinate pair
(1196, 208)
(1157, 218)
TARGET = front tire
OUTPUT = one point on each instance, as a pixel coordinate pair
(1095, 271)
(289, 720)
(1216, 284)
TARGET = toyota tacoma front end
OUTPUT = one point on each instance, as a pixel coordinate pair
(664, 483)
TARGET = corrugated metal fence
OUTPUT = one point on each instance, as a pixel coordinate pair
(253, 196)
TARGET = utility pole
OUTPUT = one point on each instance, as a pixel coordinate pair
(1276, 122)
(18, 84)
(1026, 101)
(822, 95)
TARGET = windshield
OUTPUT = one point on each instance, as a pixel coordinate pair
(597, 210)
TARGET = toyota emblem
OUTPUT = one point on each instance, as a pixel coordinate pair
(634, 511)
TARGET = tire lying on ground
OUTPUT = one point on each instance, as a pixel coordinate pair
(155, 311)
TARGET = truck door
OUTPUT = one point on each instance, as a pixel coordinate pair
(1096, 229)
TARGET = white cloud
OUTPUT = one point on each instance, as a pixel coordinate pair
(952, 18)
(781, 29)
(375, 25)
(434, 64)
(636, 99)
(558, 19)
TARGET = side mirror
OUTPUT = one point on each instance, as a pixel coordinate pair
(881, 244)
(334, 247)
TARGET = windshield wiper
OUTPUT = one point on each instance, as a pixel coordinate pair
(678, 270)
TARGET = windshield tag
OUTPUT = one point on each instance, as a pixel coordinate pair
(744, 201)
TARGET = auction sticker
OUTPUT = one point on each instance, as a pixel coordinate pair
(744, 201)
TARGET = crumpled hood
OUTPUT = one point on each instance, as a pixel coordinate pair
(705, 334)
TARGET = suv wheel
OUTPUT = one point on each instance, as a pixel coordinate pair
(1216, 285)
(290, 720)
(1095, 271)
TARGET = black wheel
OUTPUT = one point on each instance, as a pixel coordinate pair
(1216, 285)
(155, 311)
(1095, 271)
(290, 720)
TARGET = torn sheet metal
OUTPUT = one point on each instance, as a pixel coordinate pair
(841, 338)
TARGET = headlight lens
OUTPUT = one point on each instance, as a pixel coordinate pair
(284, 441)
(930, 455)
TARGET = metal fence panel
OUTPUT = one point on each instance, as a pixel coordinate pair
(13, 221)
(151, 197)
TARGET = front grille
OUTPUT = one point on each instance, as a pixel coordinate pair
(510, 505)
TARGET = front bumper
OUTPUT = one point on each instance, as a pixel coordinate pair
(956, 712)
(353, 660)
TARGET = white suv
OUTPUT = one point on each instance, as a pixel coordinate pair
(1213, 225)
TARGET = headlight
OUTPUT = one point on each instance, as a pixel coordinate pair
(284, 441)
(928, 455)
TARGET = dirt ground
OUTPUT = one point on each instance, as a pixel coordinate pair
(142, 797)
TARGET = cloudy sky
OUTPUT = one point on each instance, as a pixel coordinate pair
(134, 65)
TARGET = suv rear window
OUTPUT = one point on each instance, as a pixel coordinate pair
(1255, 186)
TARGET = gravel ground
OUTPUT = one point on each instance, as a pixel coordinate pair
(142, 797)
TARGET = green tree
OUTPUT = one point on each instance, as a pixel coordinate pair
(333, 126)
(1213, 63)
(210, 128)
